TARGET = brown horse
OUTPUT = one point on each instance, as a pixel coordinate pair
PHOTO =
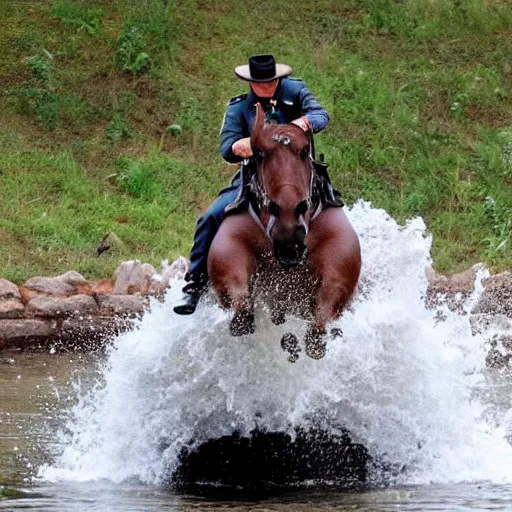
(300, 258)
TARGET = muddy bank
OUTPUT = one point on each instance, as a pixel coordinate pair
(69, 312)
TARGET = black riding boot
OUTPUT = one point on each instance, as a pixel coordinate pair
(192, 292)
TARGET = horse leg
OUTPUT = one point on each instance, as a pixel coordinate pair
(332, 296)
(231, 267)
(237, 290)
(290, 344)
(336, 257)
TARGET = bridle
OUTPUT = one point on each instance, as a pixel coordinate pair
(259, 198)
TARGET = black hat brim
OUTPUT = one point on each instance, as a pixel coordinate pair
(244, 73)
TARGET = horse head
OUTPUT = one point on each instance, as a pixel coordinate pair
(284, 174)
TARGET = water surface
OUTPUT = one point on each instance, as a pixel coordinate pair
(409, 383)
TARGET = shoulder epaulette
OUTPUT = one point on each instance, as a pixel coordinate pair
(237, 99)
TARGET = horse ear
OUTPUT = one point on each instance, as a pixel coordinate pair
(258, 125)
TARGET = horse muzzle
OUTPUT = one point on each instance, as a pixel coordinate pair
(290, 254)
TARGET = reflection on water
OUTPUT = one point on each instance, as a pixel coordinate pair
(113, 498)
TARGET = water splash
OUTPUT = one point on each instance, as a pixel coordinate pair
(401, 381)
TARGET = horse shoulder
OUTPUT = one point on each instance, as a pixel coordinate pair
(333, 242)
(239, 232)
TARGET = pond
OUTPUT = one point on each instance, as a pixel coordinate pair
(409, 384)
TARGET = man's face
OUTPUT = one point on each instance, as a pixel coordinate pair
(265, 89)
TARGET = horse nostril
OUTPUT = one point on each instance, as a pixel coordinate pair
(301, 208)
(300, 233)
(274, 209)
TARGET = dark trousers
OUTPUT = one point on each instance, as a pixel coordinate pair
(207, 227)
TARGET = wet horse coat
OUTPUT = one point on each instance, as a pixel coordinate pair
(300, 260)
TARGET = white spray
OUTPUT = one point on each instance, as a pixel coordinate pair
(400, 381)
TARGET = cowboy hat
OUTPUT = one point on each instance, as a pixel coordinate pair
(262, 68)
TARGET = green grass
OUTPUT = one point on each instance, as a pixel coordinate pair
(111, 115)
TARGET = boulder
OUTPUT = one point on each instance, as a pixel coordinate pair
(129, 305)
(132, 277)
(451, 290)
(90, 333)
(13, 308)
(50, 307)
(175, 270)
(496, 298)
(60, 286)
(464, 282)
(102, 287)
(8, 290)
(10, 300)
(19, 330)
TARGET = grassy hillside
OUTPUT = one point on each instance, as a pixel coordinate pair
(111, 114)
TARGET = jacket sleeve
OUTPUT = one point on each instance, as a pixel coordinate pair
(312, 109)
(231, 131)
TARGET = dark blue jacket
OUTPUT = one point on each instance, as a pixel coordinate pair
(294, 100)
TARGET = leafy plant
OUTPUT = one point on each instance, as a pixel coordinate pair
(131, 52)
(84, 18)
(41, 68)
(118, 128)
(459, 103)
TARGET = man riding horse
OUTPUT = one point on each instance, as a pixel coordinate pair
(285, 101)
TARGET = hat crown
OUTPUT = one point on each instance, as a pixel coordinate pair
(262, 67)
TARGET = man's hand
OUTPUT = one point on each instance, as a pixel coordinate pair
(242, 147)
(303, 123)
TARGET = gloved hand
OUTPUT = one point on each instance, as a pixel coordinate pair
(242, 147)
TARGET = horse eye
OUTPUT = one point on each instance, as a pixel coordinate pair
(301, 208)
(274, 209)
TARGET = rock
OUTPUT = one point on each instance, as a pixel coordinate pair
(8, 290)
(451, 290)
(464, 282)
(132, 305)
(19, 330)
(11, 308)
(132, 277)
(51, 307)
(60, 286)
(497, 296)
(103, 287)
(176, 270)
(110, 242)
(91, 333)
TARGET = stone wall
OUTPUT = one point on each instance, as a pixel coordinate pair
(70, 311)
